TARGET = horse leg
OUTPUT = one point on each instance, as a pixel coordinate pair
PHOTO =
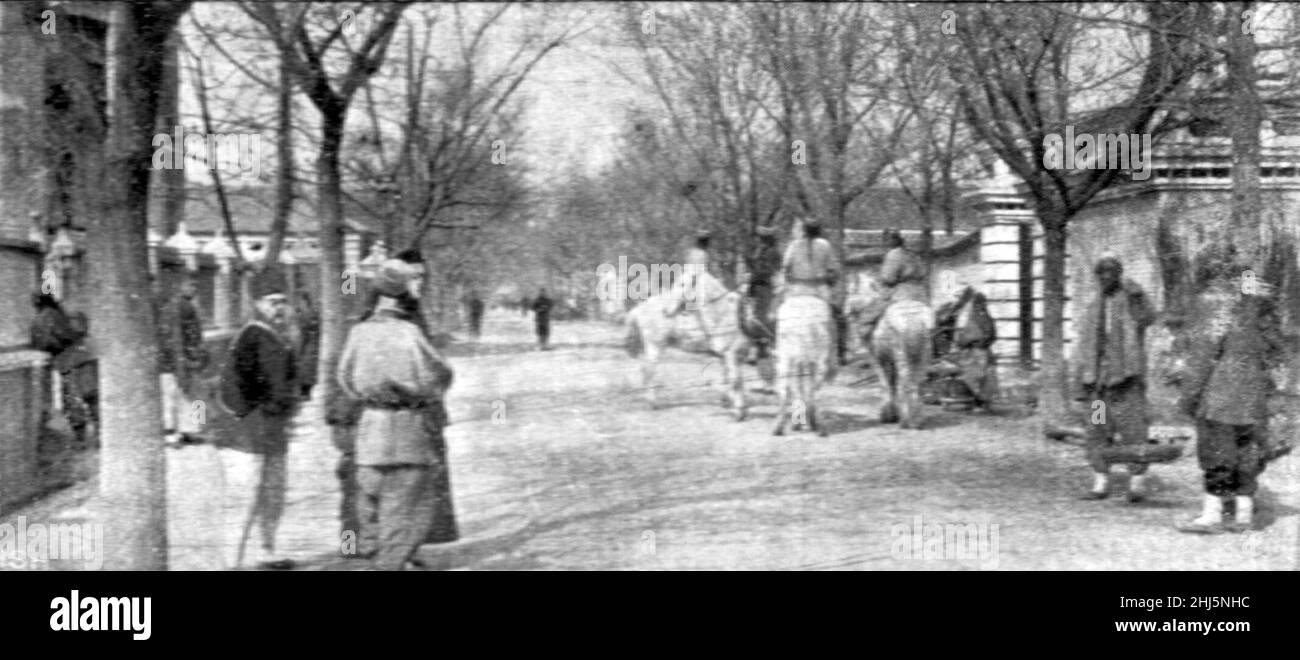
(814, 382)
(903, 384)
(735, 380)
(648, 376)
(885, 372)
(781, 383)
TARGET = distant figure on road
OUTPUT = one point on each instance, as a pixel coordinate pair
(475, 314)
(542, 318)
(264, 393)
(1227, 390)
(1112, 370)
(391, 367)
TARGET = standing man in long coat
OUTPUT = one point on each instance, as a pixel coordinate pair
(390, 366)
(265, 393)
(1113, 373)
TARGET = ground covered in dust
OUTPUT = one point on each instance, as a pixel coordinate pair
(557, 463)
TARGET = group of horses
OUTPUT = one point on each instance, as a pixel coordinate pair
(804, 349)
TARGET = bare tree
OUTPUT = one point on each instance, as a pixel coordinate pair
(132, 469)
(330, 70)
(1015, 89)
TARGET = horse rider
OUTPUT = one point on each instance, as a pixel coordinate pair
(903, 277)
(811, 269)
(766, 264)
(695, 275)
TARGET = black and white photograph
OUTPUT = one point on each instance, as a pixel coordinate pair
(618, 286)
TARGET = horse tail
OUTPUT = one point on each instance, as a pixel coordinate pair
(632, 339)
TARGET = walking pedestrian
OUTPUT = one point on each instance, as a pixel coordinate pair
(260, 387)
(182, 357)
(1112, 371)
(542, 318)
(391, 367)
(475, 314)
(1234, 344)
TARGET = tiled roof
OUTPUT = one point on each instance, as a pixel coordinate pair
(251, 208)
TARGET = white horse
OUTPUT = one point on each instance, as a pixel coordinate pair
(653, 325)
(803, 361)
(900, 348)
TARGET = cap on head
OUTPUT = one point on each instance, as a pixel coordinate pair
(392, 278)
(767, 232)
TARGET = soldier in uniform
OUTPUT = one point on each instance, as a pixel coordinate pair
(1227, 391)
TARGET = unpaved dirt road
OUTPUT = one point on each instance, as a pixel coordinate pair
(557, 463)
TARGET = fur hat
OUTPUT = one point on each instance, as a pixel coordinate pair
(392, 278)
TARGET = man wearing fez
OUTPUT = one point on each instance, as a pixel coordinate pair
(1235, 342)
(390, 366)
(1112, 371)
(266, 378)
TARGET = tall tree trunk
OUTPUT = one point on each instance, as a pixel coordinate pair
(1245, 116)
(284, 165)
(330, 210)
(132, 469)
(1054, 399)
(167, 197)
